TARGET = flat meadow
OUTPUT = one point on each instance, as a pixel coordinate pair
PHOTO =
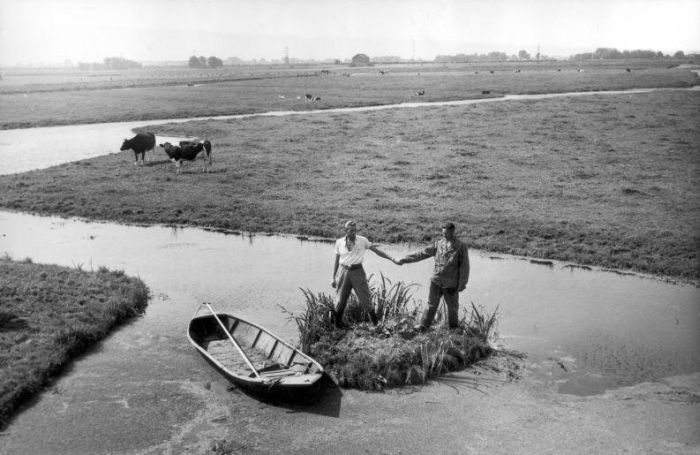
(603, 180)
(607, 180)
(65, 97)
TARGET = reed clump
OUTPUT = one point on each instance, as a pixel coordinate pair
(392, 353)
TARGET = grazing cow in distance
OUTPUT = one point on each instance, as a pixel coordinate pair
(309, 97)
(485, 92)
(325, 72)
(518, 70)
(628, 70)
(188, 151)
(141, 143)
(420, 92)
(491, 71)
(383, 72)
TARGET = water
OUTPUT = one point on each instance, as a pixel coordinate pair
(584, 330)
(23, 150)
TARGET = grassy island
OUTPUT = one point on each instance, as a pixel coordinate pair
(51, 314)
(392, 353)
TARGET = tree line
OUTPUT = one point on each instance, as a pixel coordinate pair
(203, 62)
(602, 53)
(606, 53)
(110, 63)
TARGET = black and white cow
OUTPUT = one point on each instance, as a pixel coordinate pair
(188, 151)
(141, 143)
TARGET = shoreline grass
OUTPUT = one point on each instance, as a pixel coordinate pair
(393, 353)
(52, 314)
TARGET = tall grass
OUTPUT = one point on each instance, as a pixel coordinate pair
(315, 319)
(393, 353)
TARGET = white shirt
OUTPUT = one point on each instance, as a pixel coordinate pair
(355, 255)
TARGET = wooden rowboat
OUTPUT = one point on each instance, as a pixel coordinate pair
(250, 356)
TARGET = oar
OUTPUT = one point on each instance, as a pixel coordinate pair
(245, 357)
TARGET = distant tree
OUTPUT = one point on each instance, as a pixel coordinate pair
(360, 60)
(119, 63)
(679, 54)
(194, 62)
(214, 62)
(523, 55)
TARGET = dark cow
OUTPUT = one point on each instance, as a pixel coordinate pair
(420, 92)
(383, 72)
(188, 151)
(141, 143)
(628, 70)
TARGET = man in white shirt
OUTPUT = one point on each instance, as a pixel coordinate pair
(349, 252)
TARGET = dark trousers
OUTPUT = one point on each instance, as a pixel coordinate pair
(451, 299)
(356, 280)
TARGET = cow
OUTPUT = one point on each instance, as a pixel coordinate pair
(141, 143)
(308, 97)
(188, 151)
(325, 72)
(383, 72)
(628, 70)
(420, 92)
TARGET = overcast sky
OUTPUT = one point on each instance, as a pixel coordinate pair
(54, 31)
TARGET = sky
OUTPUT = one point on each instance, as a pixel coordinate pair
(57, 31)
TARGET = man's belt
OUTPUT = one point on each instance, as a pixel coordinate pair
(353, 266)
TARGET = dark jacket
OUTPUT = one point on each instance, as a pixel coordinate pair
(451, 262)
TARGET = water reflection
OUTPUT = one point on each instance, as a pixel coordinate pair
(586, 330)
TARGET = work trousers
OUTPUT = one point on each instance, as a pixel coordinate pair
(353, 279)
(451, 299)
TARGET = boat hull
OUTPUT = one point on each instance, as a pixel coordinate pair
(280, 369)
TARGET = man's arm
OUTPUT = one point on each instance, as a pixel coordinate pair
(425, 253)
(464, 268)
(335, 269)
(380, 253)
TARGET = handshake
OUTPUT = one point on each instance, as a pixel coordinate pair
(398, 261)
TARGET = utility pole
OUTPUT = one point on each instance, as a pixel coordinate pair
(286, 55)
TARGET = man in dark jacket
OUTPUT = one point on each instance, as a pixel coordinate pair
(450, 275)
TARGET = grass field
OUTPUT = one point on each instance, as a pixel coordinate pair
(600, 180)
(62, 97)
(51, 314)
(607, 180)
